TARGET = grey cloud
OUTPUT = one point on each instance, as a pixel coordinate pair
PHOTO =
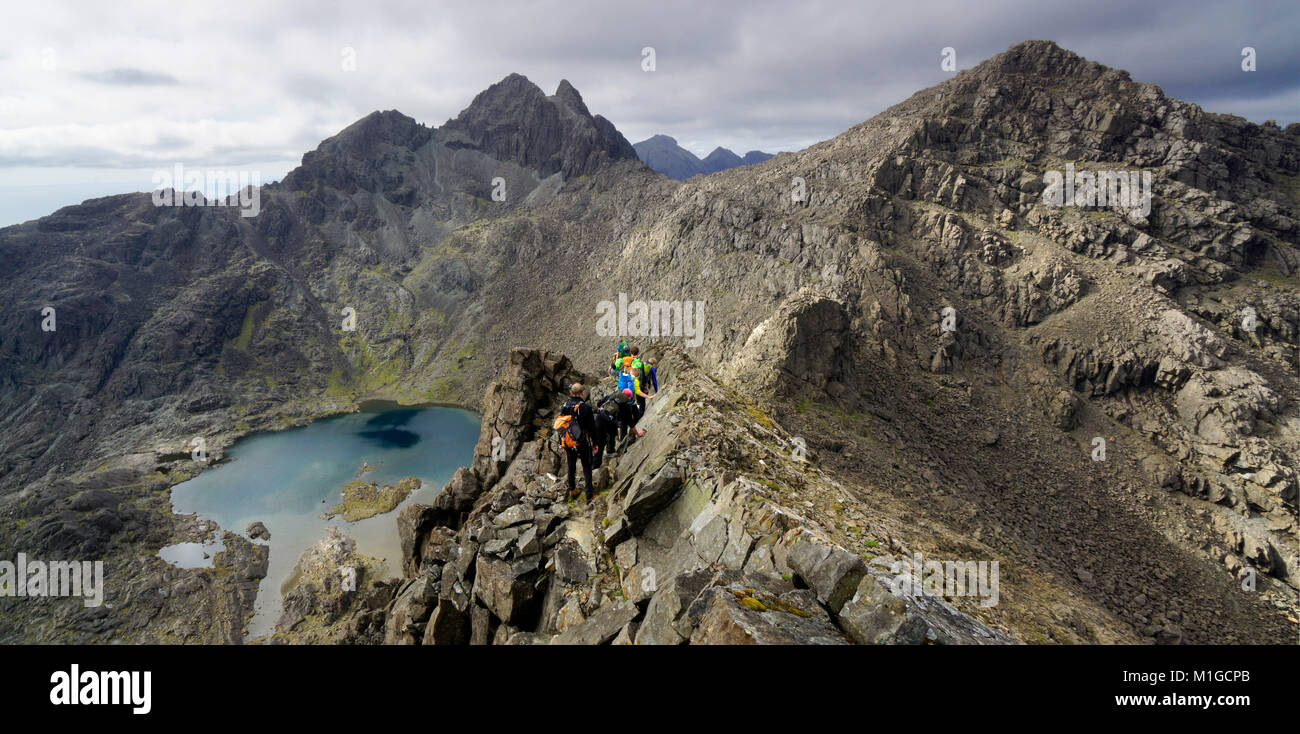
(765, 74)
(130, 78)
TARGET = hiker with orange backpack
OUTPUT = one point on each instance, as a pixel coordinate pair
(576, 427)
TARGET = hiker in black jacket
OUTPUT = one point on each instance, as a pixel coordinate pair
(610, 406)
(586, 448)
(606, 433)
(613, 419)
(624, 409)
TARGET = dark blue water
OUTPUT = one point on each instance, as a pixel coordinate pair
(287, 479)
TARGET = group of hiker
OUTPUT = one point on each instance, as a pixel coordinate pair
(588, 435)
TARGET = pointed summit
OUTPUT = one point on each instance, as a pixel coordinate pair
(513, 120)
(566, 95)
(379, 127)
(720, 160)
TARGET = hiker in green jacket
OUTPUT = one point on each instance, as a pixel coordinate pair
(617, 364)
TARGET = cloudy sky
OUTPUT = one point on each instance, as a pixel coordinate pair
(95, 97)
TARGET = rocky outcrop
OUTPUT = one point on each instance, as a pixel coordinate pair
(335, 596)
(803, 347)
(687, 546)
(257, 531)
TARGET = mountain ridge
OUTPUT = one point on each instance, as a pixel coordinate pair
(663, 154)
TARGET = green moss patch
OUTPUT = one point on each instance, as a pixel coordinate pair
(362, 499)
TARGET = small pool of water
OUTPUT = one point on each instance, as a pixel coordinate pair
(192, 555)
(287, 479)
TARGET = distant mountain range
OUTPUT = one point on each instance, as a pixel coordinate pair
(664, 155)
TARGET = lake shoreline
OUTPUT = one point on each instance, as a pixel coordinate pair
(288, 487)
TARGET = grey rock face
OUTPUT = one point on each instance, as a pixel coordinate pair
(738, 616)
(514, 121)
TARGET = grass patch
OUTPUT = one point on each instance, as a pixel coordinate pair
(1269, 272)
(245, 336)
(362, 499)
(758, 416)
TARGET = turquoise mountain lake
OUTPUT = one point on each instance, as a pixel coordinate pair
(288, 479)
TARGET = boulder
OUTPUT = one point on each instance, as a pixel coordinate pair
(570, 564)
(507, 589)
(413, 523)
(600, 628)
(830, 571)
(457, 498)
(258, 531)
(647, 497)
(874, 616)
(735, 615)
(668, 605)
(410, 611)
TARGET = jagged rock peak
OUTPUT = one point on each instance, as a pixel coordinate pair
(1044, 59)
(513, 120)
(567, 95)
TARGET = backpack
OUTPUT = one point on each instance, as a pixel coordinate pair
(627, 362)
(566, 426)
(625, 382)
(610, 407)
(619, 354)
